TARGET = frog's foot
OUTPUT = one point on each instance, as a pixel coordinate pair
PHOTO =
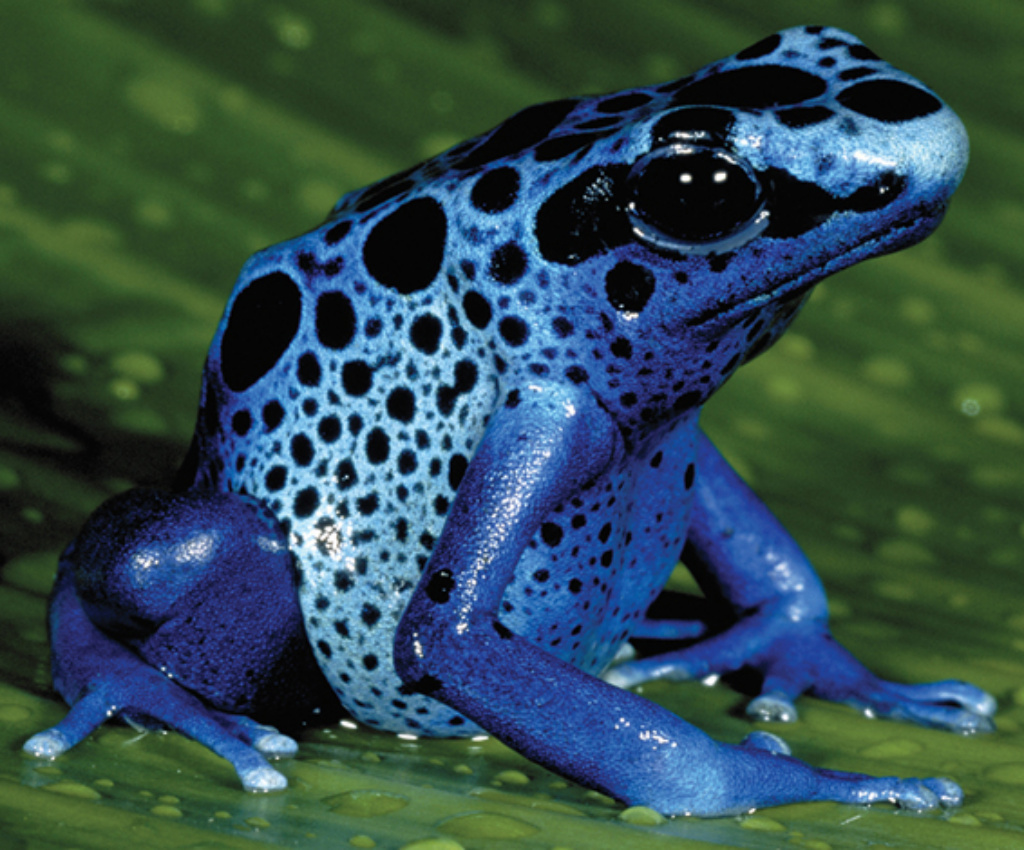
(798, 658)
(916, 795)
(913, 794)
(955, 706)
(152, 699)
(101, 678)
(179, 610)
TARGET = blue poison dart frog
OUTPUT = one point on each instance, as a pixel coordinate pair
(447, 453)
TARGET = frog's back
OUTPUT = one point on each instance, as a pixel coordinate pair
(357, 366)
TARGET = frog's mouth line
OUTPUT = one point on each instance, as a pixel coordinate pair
(906, 230)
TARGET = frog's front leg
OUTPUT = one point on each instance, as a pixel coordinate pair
(180, 610)
(540, 449)
(743, 558)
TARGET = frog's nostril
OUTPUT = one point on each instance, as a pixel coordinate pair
(878, 194)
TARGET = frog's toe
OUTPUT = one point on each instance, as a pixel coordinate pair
(957, 720)
(767, 742)
(629, 674)
(924, 795)
(772, 708)
(954, 706)
(254, 772)
(949, 794)
(954, 696)
(266, 739)
(950, 718)
(276, 745)
(47, 744)
(263, 779)
(626, 652)
(916, 796)
(966, 723)
(84, 717)
(621, 676)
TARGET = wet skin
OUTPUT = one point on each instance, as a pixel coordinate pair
(448, 449)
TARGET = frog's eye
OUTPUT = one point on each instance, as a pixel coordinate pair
(694, 199)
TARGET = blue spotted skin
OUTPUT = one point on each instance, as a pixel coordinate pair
(471, 400)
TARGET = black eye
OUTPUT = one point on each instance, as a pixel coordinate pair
(693, 199)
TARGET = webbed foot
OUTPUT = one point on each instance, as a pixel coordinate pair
(803, 657)
(135, 690)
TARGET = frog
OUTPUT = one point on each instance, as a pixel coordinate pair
(448, 449)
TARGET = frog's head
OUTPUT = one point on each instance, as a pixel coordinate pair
(795, 158)
(683, 224)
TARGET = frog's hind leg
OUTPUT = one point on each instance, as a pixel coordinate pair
(100, 678)
(748, 564)
(179, 610)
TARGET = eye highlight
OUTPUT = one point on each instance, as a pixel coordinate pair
(695, 199)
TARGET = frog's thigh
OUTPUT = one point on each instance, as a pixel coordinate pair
(100, 678)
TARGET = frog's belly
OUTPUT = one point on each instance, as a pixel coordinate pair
(579, 590)
(353, 594)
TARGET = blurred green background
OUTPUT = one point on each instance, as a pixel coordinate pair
(147, 148)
